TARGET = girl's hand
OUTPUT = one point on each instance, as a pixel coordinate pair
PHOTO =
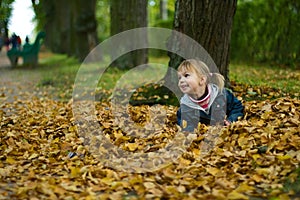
(226, 122)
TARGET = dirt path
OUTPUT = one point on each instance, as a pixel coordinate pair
(4, 61)
(16, 83)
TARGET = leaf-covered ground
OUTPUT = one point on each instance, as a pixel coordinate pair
(255, 158)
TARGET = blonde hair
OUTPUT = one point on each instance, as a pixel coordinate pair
(201, 69)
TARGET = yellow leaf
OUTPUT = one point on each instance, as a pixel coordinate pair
(59, 190)
(257, 178)
(244, 187)
(242, 153)
(212, 170)
(10, 160)
(70, 187)
(107, 180)
(169, 189)
(283, 157)
(184, 123)
(5, 172)
(284, 197)
(184, 162)
(149, 185)
(242, 141)
(200, 182)
(236, 195)
(119, 184)
(131, 146)
(34, 155)
(263, 171)
(219, 194)
(75, 171)
(167, 172)
(95, 181)
(156, 192)
(256, 156)
(260, 122)
(196, 152)
(225, 183)
(206, 188)
(228, 153)
(181, 188)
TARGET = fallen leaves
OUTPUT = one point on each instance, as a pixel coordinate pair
(248, 159)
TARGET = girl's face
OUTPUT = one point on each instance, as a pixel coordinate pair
(191, 84)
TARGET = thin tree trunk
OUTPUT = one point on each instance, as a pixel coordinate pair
(163, 9)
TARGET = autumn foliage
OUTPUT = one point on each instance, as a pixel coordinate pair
(252, 158)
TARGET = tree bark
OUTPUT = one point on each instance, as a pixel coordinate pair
(209, 23)
(85, 27)
(126, 15)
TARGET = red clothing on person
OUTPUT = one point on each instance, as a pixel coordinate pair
(204, 100)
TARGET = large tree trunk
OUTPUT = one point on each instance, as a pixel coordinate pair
(209, 23)
(126, 15)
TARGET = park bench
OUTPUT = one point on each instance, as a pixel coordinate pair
(29, 53)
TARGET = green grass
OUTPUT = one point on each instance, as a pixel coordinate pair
(293, 182)
(285, 79)
(59, 72)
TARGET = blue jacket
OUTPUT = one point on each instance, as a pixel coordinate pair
(223, 105)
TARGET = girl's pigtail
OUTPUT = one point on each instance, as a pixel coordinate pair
(217, 79)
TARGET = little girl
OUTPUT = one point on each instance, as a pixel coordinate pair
(205, 99)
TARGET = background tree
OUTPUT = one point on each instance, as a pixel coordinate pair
(161, 13)
(126, 15)
(267, 31)
(163, 9)
(263, 31)
(5, 14)
(70, 25)
(103, 19)
(85, 27)
(209, 23)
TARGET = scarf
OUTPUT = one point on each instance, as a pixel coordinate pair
(203, 101)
